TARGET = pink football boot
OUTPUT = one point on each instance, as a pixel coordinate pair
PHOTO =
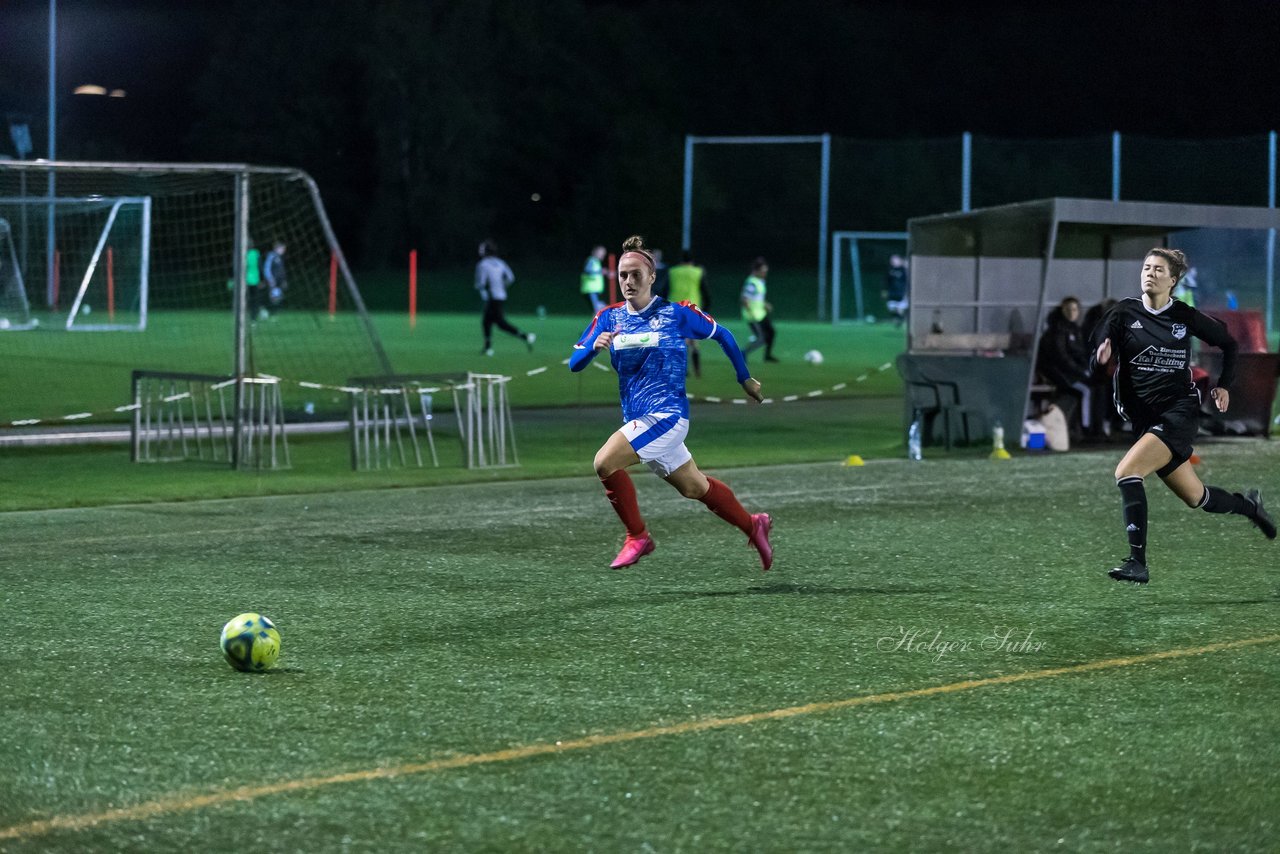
(761, 524)
(633, 549)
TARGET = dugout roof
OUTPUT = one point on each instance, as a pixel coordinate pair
(988, 278)
(999, 270)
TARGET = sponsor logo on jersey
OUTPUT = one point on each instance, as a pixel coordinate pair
(1137, 324)
(1179, 330)
(1158, 428)
(635, 340)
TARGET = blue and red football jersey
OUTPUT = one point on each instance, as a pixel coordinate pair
(649, 354)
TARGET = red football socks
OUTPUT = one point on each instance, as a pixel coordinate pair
(721, 501)
(621, 493)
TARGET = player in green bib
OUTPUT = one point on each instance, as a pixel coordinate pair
(756, 310)
(253, 283)
(591, 283)
(688, 285)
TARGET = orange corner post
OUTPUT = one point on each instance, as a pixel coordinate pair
(413, 288)
(111, 285)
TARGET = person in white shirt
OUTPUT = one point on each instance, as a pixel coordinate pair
(493, 277)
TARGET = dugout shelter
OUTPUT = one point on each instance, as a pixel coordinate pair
(983, 282)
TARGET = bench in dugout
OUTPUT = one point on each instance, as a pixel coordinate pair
(932, 398)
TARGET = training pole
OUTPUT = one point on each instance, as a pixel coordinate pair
(613, 278)
(111, 285)
(413, 288)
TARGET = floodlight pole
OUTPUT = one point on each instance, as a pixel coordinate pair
(1271, 232)
(966, 171)
(1115, 166)
(50, 294)
(687, 212)
(823, 224)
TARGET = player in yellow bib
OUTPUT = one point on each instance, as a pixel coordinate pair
(689, 285)
(591, 282)
(756, 310)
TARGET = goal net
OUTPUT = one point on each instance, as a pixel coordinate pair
(100, 257)
(149, 258)
(15, 311)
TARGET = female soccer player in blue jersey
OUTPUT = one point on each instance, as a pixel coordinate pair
(645, 337)
(1150, 339)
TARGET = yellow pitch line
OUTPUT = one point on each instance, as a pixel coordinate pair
(163, 806)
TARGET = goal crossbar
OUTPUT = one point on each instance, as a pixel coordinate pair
(824, 192)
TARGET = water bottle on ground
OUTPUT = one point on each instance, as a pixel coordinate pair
(998, 451)
(913, 438)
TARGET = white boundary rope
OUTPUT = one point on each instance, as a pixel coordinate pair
(266, 378)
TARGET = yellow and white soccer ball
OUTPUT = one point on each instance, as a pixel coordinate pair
(250, 642)
(813, 357)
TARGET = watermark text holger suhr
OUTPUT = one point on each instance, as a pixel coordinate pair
(934, 643)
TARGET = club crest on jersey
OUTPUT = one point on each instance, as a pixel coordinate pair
(1179, 331)
(655, 323)
(635, 340)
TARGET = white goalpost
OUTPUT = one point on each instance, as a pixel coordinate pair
(15, 309)
(853, 239)
(103, 252)
(174, 251)
(99, 286)
(824, 192)
(101, 257)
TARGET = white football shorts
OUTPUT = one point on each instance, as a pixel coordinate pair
(658, 439)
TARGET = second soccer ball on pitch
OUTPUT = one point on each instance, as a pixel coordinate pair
(813, 357)
(250, 642)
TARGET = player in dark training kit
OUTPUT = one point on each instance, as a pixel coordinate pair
(645, 339)
(1150, 340)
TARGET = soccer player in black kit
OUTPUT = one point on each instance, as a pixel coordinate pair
(1150, 340)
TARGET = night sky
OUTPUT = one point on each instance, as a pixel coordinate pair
(1020, 69)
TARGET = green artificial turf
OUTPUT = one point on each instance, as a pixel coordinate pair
(548, 442)
(846, 405)
(437, 623)
(47, 375)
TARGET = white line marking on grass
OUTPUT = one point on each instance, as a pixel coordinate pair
(442, 516)
(187, 803)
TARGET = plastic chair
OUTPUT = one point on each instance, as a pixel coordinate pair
(933, 398)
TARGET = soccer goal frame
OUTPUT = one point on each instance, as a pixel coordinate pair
(13, 290)
(198, 234)
(96, 261)
(824, 192)
(99, 268)
(838, 239)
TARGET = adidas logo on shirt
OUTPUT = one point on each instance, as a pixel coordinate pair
(1137, 324)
